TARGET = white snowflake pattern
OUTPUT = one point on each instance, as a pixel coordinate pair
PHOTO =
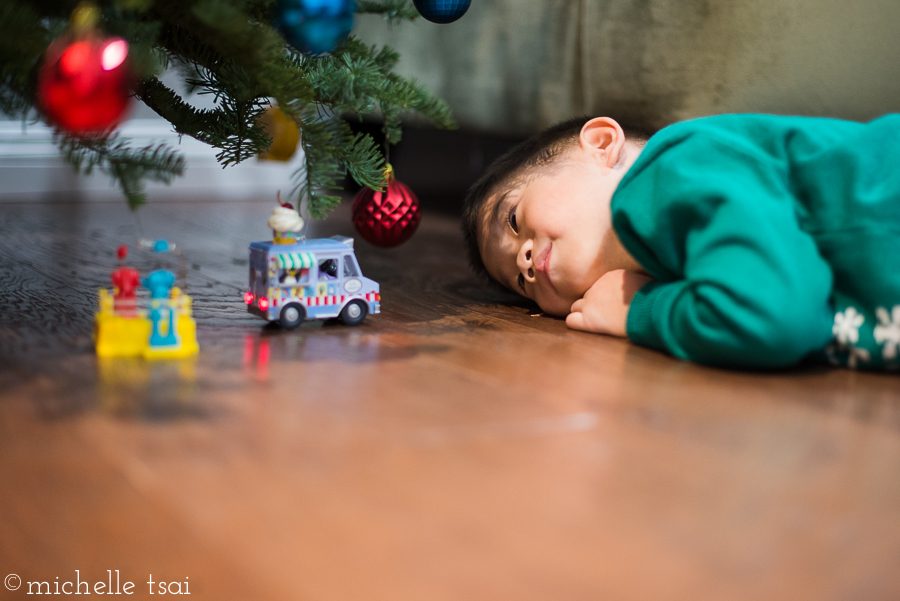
(887, 332)
(846, 326)
(846, 334)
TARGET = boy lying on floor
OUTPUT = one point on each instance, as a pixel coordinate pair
(739, 240)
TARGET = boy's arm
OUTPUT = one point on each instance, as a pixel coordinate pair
(738, 282)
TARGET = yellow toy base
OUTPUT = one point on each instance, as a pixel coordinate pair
(121, 336)
(187, 332)
(118, 336)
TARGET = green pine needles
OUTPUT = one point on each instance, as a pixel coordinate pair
(227, 49)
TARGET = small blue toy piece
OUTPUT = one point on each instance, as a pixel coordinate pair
(311, 279)
(163, 332)
(161, 246)
(159, 283)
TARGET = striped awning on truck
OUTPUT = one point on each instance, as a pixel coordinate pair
(296, 260)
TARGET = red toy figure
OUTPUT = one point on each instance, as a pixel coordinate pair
(125, 281)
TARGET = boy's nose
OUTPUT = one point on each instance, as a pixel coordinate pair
(524, 261)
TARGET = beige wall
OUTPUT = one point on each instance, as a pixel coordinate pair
(519, 65)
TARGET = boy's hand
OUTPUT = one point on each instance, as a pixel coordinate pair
(604, 308)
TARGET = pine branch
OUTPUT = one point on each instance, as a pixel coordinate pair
(128, 167)
(233, 127)
(359, 153)
(22, 42)
(227, 49)
(321, 171)
(393, 11)
(201, 124)
(134, 5)
(355, 72)
(210, 31)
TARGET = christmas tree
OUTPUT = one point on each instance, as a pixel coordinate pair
(228, 49)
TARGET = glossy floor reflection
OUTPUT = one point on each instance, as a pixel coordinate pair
(460, 445)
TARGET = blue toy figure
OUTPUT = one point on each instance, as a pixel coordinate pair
(162, 317)
(159, 283)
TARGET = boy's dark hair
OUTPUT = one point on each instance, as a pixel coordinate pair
(537, 151)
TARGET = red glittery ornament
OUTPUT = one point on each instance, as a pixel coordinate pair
(386, 218)
(84, 83)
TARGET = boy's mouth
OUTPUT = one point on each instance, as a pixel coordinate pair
(542, 265)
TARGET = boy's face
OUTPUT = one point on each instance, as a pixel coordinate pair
(543, 238)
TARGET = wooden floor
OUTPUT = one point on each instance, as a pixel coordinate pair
(455, 447)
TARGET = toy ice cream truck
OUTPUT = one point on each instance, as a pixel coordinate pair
(292, 279)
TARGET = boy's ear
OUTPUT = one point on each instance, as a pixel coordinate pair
(604, 139)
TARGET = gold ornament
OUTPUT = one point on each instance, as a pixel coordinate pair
(284, 133)
(84, 18)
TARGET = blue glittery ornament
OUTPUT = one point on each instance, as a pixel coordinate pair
(442, 11)
(315, 26)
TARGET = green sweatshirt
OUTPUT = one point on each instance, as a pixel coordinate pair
(769, 239)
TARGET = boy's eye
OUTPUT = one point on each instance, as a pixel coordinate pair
(512, 219)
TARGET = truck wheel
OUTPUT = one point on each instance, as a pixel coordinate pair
(354, 312)
(292, 315)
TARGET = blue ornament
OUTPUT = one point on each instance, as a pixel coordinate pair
(161, 246)
(442, 11)
(315, 26)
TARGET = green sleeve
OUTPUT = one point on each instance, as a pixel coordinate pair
(737, 282)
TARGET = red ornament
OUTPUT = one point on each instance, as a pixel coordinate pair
(84, 83)
(386, 218)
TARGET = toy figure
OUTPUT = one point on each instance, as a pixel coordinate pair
(125, 281)
(286, 223)
(123, 330)
(159, 283)
(162, 317)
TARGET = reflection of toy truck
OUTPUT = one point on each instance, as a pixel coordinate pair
(312, 279)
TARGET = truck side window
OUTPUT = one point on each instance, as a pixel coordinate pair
(328, 269)
(293, 276)
(350, 269)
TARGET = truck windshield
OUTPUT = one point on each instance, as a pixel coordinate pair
(350, 267)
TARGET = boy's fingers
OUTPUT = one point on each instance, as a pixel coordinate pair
(576, 306)
(575, 320)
